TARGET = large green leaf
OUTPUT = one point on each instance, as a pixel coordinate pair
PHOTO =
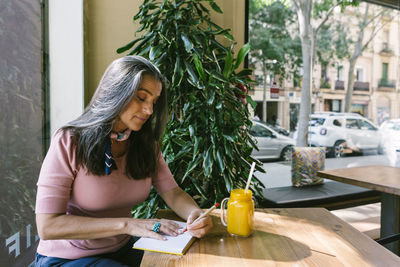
(199, 66)
(251, 101)
(184, 151)
(228, 65)
(245, 73)
(219, 77)
(215, 7)
(192, 74)
(144, 44)
(228, 35)
(229, 137)
(129, 45)
(191, 130)
(220, 161)
(243, 51)
(198, 187)
(196, 146)
(208, 162)
(192, 165)
(211, 98)
(228, 183)
(188, 44)
(178, 73)
(160, 58)
(155, 52)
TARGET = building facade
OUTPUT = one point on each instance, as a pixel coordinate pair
(376, 86)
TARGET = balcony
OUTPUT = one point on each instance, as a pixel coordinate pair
(361, 86)
(387, 83)
(386, 49)
(325, 84)
(339, 85)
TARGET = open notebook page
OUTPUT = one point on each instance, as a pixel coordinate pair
(173, 245)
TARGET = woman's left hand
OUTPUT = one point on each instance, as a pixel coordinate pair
(200, 228)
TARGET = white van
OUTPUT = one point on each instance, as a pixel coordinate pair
(342, 133)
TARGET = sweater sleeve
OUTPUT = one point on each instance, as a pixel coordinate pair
(56, 175)
(164, 181)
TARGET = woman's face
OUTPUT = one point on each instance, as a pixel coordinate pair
(138, 111)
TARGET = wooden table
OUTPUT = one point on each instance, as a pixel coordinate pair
(282, 237)
(385, 179)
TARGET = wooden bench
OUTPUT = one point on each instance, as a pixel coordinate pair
(330, 195)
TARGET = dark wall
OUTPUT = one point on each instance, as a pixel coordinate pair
(21, 113)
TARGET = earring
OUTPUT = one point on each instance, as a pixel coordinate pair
(109, 161)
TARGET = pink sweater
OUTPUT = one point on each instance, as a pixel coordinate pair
(65, 188)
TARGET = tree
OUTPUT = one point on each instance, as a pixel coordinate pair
(206, 144)
(374, 18)
(332, 44)
(312, 15)
(271, 42)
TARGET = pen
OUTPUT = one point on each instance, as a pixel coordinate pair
(216, 205)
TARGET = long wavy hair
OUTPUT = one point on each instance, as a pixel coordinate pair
(91, 130)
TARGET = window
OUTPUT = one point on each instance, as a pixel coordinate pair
(385, 67)
(360, 74)
(316, 121)
(22, 133)
(259, 131)
(396, 127)
(385, 37)
(366, 125)
(352, 124)
(339, 73)
(259, 79)
(336, 105)
(324, 72)
(297, 80)
(338, 122)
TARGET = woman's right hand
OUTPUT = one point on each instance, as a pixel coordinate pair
(144, 227)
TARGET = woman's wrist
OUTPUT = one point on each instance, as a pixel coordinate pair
(126, 223)
(197, 211)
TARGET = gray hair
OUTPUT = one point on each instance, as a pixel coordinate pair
(116, 89)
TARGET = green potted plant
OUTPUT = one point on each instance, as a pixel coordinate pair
(206, 144)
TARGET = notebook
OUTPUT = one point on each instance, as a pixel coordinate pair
(177, 245)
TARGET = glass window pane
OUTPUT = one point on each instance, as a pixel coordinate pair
(352, 124)
(317, 121)
(385, 67)
(259, 131)
(366, 125)
(21, 138)
(338, 122)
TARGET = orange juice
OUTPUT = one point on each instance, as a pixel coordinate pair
(240, 213)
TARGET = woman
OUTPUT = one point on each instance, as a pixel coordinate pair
(102, 164)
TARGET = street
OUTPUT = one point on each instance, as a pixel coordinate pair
(278, 172)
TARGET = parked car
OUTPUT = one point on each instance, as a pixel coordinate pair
(276, 128)
(390, 136)
(270, 143)
(342, 133)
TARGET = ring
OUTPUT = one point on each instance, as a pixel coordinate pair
(156, 227)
